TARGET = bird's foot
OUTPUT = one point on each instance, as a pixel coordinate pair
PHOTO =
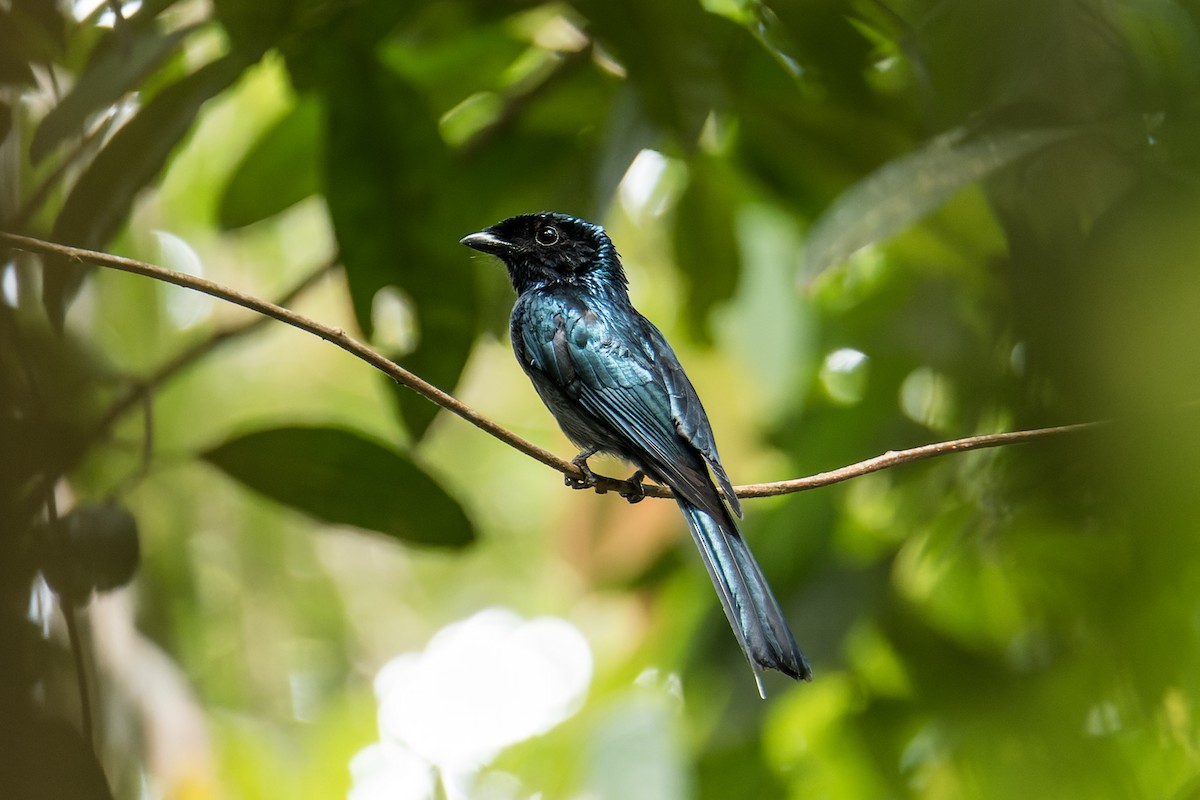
(589, 478)
(637, 493)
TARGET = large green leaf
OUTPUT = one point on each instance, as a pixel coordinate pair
(908, 188)
(387, 180)
(279, 170)
(118, 68)
(15, 66)
(667, 49)
(30, 33)
(254, 28)
(705, 241)
(101, 199)
(342, 477)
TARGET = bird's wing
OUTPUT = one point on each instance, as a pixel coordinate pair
(633, 388)
(686, 410)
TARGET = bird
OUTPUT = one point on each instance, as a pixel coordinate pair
(615, 386)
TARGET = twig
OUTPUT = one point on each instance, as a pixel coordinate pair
(335, 336)
(134, 397)
(891, 458)
(895, 457)
(70, 615)
(141, 393)
(338, 337)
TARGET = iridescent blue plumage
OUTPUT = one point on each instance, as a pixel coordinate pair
(614, 385)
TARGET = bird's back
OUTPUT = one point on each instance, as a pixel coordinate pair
(613, 382)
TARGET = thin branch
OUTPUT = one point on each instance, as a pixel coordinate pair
(891, 458)
(136, 394)
(141, 393)
(895, 457)
(335, 336)
(338, 337)
(71, 616)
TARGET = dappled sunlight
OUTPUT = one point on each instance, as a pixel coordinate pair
(645, 189)
(844, 374)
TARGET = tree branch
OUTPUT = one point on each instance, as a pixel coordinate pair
(335, 336)
(339, 338)
(190, 355)
(893, 458)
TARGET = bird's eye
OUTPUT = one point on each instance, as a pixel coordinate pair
(547, 235)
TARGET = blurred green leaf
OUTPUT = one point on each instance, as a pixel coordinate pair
(448, 69)
(1166, 45)
(279, 170)
(339, 28)
(908, 188)
(42, 755)
(15, 68)
(668, 50)
(254, 27)
(706, 241)
(344, 478)
(30, 32)
(386, 174)
(45, 18)
(100, 201)
(118, 68)
(373, 130)
(67, 372)
(815, 42)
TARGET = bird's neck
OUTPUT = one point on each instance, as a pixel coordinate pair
(587, 287)
(605, 281)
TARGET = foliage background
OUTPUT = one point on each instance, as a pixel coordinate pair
(866, 225)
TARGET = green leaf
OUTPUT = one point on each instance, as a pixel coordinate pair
(15, 69)
(706, 244)
(382, 155)
(278, 171)
(30, 33)
(386, 174)
(254, 28)
(340, 476)
(908, 188)
(101, 199)
(118, 68)
(667, 48)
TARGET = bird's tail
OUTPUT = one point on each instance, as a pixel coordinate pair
(752, 610)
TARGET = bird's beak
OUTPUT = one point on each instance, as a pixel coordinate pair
(487, 242)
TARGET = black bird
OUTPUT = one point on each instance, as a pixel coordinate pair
(615, 386)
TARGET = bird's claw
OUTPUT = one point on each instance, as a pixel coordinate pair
(637, 493)
(589, 479)
(586, 482)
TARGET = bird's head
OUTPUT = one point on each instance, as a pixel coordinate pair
(547, 248)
